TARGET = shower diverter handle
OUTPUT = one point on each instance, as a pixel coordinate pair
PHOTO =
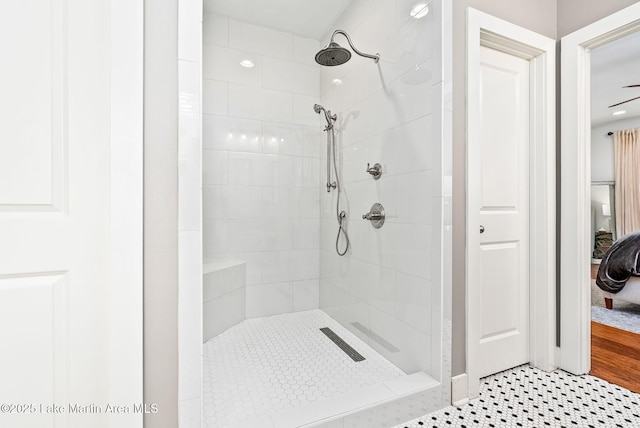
(375, 215)
(372, 216)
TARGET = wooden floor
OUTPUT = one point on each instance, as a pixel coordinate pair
(615, 356)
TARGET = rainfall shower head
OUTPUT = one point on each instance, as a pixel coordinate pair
(334, 54)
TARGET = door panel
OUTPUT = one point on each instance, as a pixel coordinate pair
(498, 319)
(503, 210)
(33, 307)
(35, 256)
(55, 225)
(31, 34)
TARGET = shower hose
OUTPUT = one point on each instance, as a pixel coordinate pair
(340, 215)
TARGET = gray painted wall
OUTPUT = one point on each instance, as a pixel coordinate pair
(575, 14)
(161, 212)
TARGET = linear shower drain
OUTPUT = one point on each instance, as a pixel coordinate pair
(355, 356)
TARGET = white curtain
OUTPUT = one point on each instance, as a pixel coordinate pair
(627, 170)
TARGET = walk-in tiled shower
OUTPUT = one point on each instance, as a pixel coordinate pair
(290, 180)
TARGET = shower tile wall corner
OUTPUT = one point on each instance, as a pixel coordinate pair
(261, 165)
(389, 289)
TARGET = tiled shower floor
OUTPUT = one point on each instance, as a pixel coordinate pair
(265, 366)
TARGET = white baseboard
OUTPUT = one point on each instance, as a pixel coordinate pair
(459, 391)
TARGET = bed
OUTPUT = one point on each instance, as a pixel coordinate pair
(630, 293)
(619, 272)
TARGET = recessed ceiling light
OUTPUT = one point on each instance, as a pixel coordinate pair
(619, 112)
(247, 63)
(419, 11)
(337, 82)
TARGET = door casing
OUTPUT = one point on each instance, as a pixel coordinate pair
(492, 32)
(126, 193)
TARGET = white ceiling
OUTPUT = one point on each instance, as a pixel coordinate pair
(311, 19)
(613, 66)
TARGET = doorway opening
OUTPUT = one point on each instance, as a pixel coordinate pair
(576, 177)
(615, 116)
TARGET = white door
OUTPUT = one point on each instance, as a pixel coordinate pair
(499, 192)
(56, 190)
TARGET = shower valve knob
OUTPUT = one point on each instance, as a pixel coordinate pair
(371, 216)
(375, 170)
(376, 215)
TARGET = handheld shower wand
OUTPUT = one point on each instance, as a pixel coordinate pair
(330, 119)
(331, 154)
(327, 115)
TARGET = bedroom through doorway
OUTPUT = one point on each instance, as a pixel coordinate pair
(615, 126)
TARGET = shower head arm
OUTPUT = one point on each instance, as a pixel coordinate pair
(375, 57)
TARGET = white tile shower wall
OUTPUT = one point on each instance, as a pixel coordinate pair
(261, 166)
(388, 290)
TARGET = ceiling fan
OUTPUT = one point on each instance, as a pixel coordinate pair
(636, 98)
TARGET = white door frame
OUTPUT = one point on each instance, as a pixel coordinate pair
(575, 239)
(489, 31)
(126, 191)
(126, 217)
